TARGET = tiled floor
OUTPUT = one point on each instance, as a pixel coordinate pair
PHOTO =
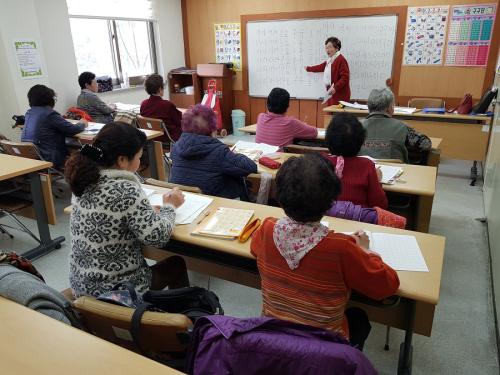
(463, 337)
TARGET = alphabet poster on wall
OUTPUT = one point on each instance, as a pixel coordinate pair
(425, 35)
(228, 43)
(469, 34)
(28, 59)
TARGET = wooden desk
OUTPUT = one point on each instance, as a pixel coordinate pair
(14, 166)
(466, 136)
(417, 180)
(154, 149)
(33, 343)
(231, 260)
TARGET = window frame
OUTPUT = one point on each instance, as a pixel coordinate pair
(115, 49)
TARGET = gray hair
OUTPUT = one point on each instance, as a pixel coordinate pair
(380, 100)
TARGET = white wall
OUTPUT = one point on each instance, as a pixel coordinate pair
(47, 21)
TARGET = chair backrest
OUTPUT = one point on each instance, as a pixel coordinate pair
(23, 149)
(426, 103)
(148, 123)
(158, 333)
(169, 185)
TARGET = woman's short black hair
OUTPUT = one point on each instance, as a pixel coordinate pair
(153, 84)
(307, 187)
(41, 96)
(85, 78)
(278, 100)
(345, 135)
(335, 42)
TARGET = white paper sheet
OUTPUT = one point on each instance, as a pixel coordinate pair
(389, 173)
(321, 132)
(353, 105)
(401, 252)
(147, 191)
(404, 110)
(192, 207)
(126, 107)
(254, 150)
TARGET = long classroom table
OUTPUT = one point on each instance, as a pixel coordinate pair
(33, 343)
(466, 136)
(416, 180)
(232, 261)
(154, 149)
(15, 166)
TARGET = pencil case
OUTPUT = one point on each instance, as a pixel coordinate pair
(269, 163)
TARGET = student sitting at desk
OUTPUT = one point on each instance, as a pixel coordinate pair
(307, 271)
(159, 108)
(111, 218)
(360, 182)
(386, 137)
(201, 160)
(90, 102)
(276, 129)
(46, 128)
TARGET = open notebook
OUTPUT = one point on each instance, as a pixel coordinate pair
(401, 252)
(192, 207)
(226, 223)
(389, 173)
(253, 150)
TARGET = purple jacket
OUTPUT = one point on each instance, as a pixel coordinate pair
(350, 211)
(225, 345)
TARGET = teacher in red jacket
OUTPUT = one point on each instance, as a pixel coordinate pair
(335, 72)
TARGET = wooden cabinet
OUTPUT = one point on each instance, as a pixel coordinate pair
(224, 80)
(178, 80)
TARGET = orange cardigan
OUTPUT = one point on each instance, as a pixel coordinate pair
(316, 293)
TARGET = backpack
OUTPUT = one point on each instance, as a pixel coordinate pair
(194, 302)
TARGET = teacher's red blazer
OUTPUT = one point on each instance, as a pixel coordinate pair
(340, 78)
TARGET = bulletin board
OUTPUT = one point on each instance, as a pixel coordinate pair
(469, 34)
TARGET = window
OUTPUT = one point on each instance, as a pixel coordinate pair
(116, 46)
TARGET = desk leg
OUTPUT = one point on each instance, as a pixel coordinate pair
(154, 163)
(406, 349)
(473, 173)
(47, 244)
(424, 212)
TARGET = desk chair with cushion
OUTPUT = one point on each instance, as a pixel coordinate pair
(426, 103)
(148, 123)
(162, 336)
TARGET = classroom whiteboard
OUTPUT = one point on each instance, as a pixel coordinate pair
(278, 51)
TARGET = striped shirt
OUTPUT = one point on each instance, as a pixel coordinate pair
(316, 293)
(280, 130)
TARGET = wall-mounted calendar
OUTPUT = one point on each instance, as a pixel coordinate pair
(228, 44)
(425, 35)
(469, 34)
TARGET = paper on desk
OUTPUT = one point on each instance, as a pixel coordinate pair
(253, 150)
(147, 191)
(93, 127)
(126, 107)
(401, 252)
(321, 132)
(404, 110)
(353, 105)
(389, 173)
(192, 207)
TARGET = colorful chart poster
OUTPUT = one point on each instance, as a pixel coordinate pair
(425, 35)
(28, 59)
(469, 34)
(228, 44)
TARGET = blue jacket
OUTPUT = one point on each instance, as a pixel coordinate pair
(206, 162)
(47, 129)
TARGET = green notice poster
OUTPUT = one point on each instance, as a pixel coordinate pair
(28, 59)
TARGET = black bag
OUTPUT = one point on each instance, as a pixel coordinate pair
(485, 101)
(104, 83)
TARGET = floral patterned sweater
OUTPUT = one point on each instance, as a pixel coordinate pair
(109, 224)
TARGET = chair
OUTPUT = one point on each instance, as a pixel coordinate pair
(148, 123)
(162, 336)
(8, 207)
(170, 185)
(426, 103)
